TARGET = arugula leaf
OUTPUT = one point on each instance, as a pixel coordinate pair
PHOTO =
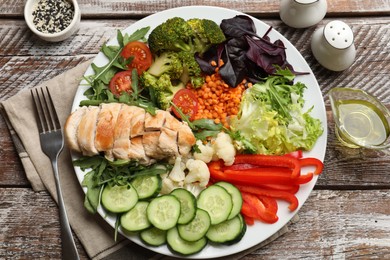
(138, 35)
(102, 171)
(103, 75)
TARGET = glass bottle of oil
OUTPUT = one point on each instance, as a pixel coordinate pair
(361, 120)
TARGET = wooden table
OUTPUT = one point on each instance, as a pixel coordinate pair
(347, 214)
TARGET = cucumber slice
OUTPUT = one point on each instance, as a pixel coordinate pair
(147, 185)
(228, 232)
(164, 211)
(236, 197)
(178, 245)
(135, 219)
(187, 205)
(217, 202)
(153, 236)
(197, 228)
(118, 199)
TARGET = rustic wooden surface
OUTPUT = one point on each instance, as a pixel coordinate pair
(346, 217)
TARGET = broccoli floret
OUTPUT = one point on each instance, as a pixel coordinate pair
(206, 34)
(192, 71)
(167, 63)
(189, 62)
(161, 88)
(175, 34)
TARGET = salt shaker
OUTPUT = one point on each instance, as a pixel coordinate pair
(333, 47)
(302, 13)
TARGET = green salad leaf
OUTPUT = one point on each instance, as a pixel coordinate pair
(99, 81)
(100, 171)
(271, 119)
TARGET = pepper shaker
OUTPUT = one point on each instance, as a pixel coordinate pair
(302, 13)
(333, 47)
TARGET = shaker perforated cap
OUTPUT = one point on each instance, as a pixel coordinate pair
(306, 2)
(338, 34)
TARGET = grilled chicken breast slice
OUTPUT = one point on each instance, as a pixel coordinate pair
(185, 139)
(86, 131)
(71, 127)
(106, 122)
(128, 132)
(137, 151)
(167, 142)
(150, 142)
(137, 123)
(155, 122)
(122, 133)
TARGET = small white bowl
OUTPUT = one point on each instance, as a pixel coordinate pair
(57, 36)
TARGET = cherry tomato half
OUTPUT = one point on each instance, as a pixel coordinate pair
(121, 82)
(141, 53)
(187, 102)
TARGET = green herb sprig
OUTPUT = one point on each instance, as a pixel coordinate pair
(101, 171)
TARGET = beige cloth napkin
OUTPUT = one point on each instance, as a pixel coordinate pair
(93, 232)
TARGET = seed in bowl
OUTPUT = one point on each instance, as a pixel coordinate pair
(52, 16)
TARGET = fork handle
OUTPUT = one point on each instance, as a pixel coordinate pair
(69, 250)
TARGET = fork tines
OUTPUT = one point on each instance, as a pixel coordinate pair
(44, 108)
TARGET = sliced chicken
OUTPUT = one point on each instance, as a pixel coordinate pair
(154, 123)
(121, 148)
(171, 122)
(151, 146)
(185, 139)
(138, 152)
(128, 132)
(104, 138)
(167, 142)
(71, 127)
(86, 132)
(137, 124)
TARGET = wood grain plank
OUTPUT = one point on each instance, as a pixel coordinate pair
(335, 225)
(31, 234)
(332, 225)
(263, 8)
(11, 170)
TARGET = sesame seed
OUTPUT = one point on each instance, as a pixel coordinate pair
(52, 16)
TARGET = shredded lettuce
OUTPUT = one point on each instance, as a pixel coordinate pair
(271, 117)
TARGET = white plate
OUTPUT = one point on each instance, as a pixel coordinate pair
(259, 232)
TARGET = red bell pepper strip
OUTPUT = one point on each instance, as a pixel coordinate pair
(248, 220)
(296, 154)
(294, 188)
(305, 178)
(241, 166)
(269, 203)
(271, 160)
(309, 161)
(264, 170)
(277, 194)
(254, 207)
(256, 176)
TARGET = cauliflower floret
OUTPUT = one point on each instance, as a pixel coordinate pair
(206, 152)
(167, 185)
(194, 188)
(224, 148)
(177, 173)
(197, 172)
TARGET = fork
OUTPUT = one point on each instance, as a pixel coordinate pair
(52, 142)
